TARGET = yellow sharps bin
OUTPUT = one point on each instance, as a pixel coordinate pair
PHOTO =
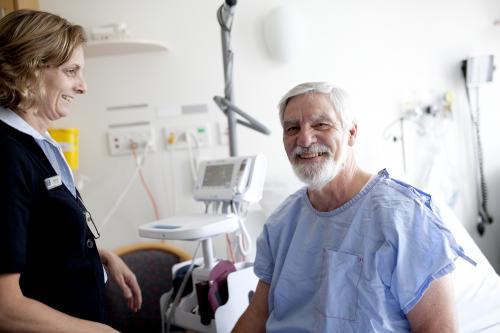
(68, 139)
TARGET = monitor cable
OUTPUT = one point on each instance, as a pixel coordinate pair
(484, 216)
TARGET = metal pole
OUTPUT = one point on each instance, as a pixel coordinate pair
(208, 254)
(225, 17)
(226, 103)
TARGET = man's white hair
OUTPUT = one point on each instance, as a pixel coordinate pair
(338, 97)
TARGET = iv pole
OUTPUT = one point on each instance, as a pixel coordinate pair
(225, 17)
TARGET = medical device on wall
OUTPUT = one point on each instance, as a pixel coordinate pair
(477, 71)
(226, 104)
(227, 186)
(417, 113)
(109, 31)
(68, 139)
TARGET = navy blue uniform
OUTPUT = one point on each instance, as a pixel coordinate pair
(43, 233)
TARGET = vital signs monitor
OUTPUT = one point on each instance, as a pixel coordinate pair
(231, 181)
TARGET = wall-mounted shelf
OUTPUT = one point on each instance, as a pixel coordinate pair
(121, 47)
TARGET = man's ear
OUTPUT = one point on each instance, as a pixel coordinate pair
(353, 132)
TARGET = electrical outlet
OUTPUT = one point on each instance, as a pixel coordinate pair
(120, 140)
(177, 137)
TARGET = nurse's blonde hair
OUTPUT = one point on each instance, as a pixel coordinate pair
(30, 41)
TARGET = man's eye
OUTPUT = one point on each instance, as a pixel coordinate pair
(291, 130)
(322, 126)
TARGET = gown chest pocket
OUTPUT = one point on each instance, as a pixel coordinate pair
(338, 292)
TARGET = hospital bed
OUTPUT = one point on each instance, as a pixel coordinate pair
(477, 289)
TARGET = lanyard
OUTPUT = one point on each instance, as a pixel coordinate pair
(90, 221)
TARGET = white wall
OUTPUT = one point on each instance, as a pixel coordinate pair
(382, 52)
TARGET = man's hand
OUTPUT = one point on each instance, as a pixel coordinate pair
(124, 277)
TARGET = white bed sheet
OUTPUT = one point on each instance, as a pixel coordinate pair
(477, 289)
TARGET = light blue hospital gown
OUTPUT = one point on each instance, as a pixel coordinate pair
(359, 268)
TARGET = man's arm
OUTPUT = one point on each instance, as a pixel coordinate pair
(435, 311)
(24, 315)
(255, 316)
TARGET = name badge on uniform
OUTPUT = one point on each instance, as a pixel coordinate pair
(52, 182)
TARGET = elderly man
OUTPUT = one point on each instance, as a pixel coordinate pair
(351, 252)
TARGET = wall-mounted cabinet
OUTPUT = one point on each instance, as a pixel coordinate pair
(122, 46)
(7, 6)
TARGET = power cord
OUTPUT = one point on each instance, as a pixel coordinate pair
(244, 239)
(193, 160)
(484, 216)
(139, 162)
(133, 147)
(181, 289)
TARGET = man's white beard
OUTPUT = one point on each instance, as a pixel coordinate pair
(317, 175)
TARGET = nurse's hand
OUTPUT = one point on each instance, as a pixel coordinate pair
(124, 277)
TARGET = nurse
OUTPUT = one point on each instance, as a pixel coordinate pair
(51, 271)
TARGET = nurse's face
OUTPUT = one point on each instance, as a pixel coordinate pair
(314, 138)
(62, 84)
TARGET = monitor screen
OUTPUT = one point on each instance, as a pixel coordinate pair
(218, 175)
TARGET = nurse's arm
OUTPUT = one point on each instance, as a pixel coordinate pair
(255, 316)
(22, 314)
(124, 277)
(435, 311)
